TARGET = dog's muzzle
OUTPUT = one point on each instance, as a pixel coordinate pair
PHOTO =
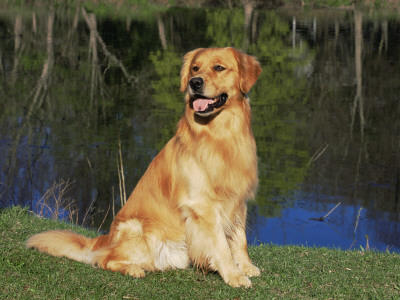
(202, 105)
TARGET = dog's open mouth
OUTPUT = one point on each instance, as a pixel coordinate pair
(203, 105)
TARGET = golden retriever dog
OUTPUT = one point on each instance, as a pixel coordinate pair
(190, 205)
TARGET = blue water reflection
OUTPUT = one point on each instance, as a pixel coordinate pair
(346, 227)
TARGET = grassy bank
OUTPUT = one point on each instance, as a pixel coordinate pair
(287, 272)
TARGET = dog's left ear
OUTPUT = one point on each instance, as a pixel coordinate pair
(187, 60)
(249, 70)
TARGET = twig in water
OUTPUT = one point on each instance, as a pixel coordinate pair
(355, 228)
(324, 217)
(90, 165)
(317, 155)
(358, 218)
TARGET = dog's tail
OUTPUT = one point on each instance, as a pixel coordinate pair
(64, 243)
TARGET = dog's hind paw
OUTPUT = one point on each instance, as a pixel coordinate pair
(135, 271)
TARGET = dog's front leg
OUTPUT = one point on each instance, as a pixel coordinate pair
(238, 244)
(208, 246)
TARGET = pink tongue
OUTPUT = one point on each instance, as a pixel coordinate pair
(201, 104)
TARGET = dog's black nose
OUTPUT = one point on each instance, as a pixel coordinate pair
(196, 83)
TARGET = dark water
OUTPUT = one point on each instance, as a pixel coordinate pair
(326, 114)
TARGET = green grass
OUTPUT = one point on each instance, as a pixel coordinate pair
(288, 272)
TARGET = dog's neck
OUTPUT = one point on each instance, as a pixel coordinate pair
(227, 135)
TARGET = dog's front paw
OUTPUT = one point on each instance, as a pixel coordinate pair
(239, 281)
(250, 270)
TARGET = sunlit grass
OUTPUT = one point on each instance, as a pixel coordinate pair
(288, 272)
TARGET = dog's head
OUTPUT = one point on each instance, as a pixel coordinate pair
(213, 76)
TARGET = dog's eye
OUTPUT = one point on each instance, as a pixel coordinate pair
(219, 68)
(195, 69)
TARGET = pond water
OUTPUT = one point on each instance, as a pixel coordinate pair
(74, 84)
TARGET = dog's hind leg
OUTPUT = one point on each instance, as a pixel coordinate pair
(128, 251)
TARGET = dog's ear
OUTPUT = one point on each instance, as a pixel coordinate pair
(249, 70)
(187, 60)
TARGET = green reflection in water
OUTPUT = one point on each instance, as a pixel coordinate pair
(108, 79)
